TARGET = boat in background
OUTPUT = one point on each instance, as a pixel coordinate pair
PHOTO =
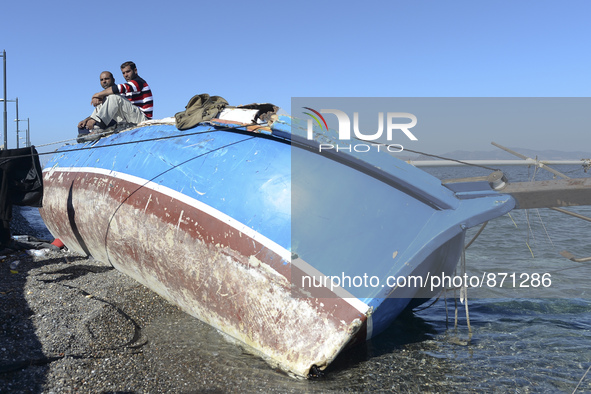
(248, 227)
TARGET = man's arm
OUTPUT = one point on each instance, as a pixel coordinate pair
(82, 124)
(98, 98)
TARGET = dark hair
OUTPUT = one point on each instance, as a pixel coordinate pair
(108, 72)
(130, 64)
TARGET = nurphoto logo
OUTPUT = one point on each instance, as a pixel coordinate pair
(344, 130)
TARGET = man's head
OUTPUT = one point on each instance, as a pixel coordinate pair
(129, 70)
(107, 79)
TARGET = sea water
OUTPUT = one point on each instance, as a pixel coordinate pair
(513, 338)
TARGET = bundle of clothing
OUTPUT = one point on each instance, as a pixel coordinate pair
(203, 107)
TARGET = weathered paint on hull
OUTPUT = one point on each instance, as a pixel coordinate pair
(213, 219)
(200, 263)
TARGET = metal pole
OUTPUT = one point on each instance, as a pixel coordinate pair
(17, 122)
(28, 133)
(539, 164)
(5, 114)
(5, 134)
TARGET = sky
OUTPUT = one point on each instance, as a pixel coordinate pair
(271, 51)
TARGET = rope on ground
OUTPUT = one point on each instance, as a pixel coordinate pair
(133, 343)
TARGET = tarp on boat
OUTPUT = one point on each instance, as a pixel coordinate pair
(21, 183)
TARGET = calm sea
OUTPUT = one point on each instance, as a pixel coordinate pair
(523, 339)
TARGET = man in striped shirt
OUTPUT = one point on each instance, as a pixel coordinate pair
(129, 102)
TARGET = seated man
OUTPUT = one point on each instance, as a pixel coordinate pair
(107, 80)
(129, 102)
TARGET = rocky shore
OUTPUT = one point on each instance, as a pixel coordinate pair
(72, 324)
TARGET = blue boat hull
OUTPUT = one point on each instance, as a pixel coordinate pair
(241, 230)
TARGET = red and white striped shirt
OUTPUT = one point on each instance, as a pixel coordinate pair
(138, 92)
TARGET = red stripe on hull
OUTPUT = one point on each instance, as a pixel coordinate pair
(204, 265)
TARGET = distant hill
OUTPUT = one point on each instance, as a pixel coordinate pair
(499, 154)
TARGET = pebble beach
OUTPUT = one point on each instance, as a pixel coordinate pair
(70, 324)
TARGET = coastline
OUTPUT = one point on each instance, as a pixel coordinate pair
(72, 324)
(69, 323)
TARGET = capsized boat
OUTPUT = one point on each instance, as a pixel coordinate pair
(296, 253)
